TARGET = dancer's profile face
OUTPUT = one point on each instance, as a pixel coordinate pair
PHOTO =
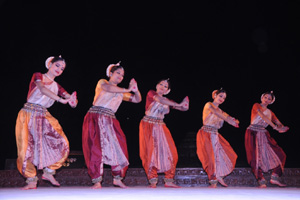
(57, 68)
(162, 87)
(220, 98)
(266, 99)
(117, 76)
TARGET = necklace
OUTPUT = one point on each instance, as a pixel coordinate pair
(262, 105)
(112, 83)
(216, 105)
(49, 77)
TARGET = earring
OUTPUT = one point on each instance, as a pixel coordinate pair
(168, 91)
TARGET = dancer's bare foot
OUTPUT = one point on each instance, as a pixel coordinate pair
(119, 183)
(152, 185)
(29, 186)
(262, 186)
(171, 185)
(221, 181)
(214, 185)
(49, 177)
(276, 182)
(97, 186)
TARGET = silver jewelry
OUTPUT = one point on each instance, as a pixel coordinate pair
(118, 177)
(96, 180)
(49, 77)
(49, 171)
(32, 179)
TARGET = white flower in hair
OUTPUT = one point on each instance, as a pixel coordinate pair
(110, 66)
(48, 61)
(108, 69)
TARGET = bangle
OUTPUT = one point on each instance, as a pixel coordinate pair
(227, 118)
(124, 89)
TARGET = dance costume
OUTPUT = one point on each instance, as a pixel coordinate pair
(103, 140)
(263, 152)
(40, 139)
(157, 148)
(215, 153)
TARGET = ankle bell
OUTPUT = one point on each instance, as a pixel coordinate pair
(49, 171)
(32, 179)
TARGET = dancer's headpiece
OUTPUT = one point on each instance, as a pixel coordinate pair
(48, 61)
(109, 68)
(272, 95)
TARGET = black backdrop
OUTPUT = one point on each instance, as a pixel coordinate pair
(246, 47)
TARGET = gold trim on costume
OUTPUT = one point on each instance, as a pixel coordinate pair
(255, 127)
(102, 110)
(153, 120)
(209, 129)
(34, 107)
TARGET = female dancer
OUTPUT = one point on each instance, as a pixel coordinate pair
(103, 140)
(215, 153)
(157, 149)
(41, 141)
(263, 153)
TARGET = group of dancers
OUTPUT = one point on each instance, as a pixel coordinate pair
(42, 144)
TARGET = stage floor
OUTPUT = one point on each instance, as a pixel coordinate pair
(145, 193)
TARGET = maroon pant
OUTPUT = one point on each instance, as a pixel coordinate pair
(91, 145)
(250, 145)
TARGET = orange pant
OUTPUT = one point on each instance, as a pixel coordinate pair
(29, 126)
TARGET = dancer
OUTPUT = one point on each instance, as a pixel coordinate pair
(157, 148)
(103, 140)
(215, 153)
(263, 153)
(40, 139)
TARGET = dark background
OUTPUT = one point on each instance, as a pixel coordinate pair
(246, 47)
